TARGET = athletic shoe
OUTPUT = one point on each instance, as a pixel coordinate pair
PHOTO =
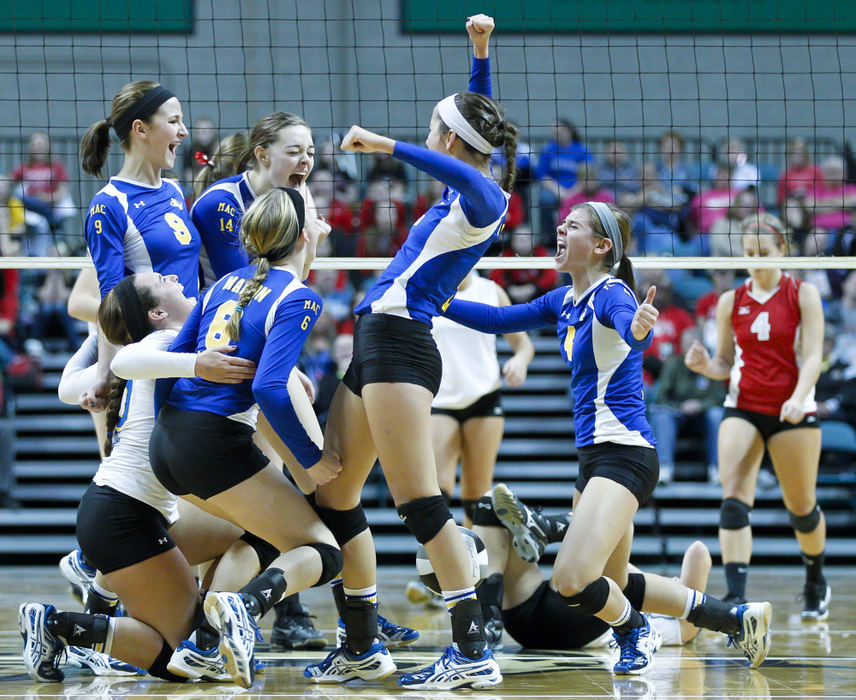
(78, 574)
(815, 598)
(636, 649)
(635, 688)
(42, 649)
(341, 665)
(529, 528)
(454, 670)
(419, 594)
(101, 664)
(228, 615)
(389, 633)
(754, 636)
(194, 663)
(296, 631)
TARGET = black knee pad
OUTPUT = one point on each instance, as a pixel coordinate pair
(470, 506)
(484, 514)
(265, 551)
(344, 524)
(158, 668)
(331, 561)
(807, 522)
(589, 600)
(734, 514)
(634, 591)
(425, 517)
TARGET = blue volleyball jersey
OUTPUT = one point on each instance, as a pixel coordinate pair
(274, 327)
(596, 343)
(447, 241)
(217, 214)
(133, 228)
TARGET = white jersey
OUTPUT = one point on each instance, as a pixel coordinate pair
(128, 469)
(470, 367)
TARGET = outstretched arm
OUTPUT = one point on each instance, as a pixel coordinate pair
(540, 312)
(480, 27)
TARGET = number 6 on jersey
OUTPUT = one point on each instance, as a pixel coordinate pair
(217, 330)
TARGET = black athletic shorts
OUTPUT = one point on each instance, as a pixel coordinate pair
(488, 405)
(545, 621)
(202, 453)
(636, 468)
(770, 425)
(393, 349)
(115, 530)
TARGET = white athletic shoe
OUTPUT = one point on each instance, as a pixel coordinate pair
(419, 594)
(529, 528)
(755, 634)
(341, 665)
(42, 650)
(454, 670)
(101, 664)
(191, 662)
(636, 649)
(78, 574)
(228, 615)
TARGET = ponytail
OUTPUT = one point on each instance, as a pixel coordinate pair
(94, 148)
(233, 326)
(625, 273)
(223, 163)
(114, 404)
(509, 142)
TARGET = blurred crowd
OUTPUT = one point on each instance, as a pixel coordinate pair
(683, 203)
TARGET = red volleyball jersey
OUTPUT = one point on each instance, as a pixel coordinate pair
(766, 331)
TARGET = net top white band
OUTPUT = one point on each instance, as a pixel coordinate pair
(452, 117)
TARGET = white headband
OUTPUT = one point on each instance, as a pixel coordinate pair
(610, 225)
(452, 117)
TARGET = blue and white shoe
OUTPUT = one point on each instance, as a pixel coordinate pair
(228, 615)
(454, 670)
(755, 635)
(189, 661)
(636, 649)
(389, 633)
(101, 664)
(42, 650)
(341, 665)
(78, 574)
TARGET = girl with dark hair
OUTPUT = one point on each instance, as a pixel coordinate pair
(383, 406)
(603, 331)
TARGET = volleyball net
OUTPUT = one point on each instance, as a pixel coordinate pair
(689, 115)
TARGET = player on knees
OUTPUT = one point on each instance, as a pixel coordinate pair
(201, 446)
(773, 323)
(603, 332)
(382, 409)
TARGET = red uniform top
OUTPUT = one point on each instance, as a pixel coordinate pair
(766, 330)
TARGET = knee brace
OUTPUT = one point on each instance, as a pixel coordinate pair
(589, 600)
(158, 668)
(484, 514)
(808, 522)
(734, 514)
(634, 591)
(265, 551)
(331, 561)
(344, 524)
(425, 517)
(470, 506)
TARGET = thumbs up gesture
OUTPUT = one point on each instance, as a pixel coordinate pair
(645, 317)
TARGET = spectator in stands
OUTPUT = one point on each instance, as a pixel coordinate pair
(52, 318)
(671, 324)
(342, 167)
(430, 194)
(524, 164)
(686, 402)
(833, 200)
(711, 204)
(385, 167)
(586, 189)
(802, 176)
(12, 219)
(341, 352)
(337, 211)
(678, 177)
(616, 174)
(743, 173)
(7, 445)
(43, 188)
(557, 168)
(705, 307)
(835, 391)
(725, 237)
(335, 291)
(524, 285)
(656, 221)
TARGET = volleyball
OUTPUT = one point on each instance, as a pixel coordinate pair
(478, 561)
